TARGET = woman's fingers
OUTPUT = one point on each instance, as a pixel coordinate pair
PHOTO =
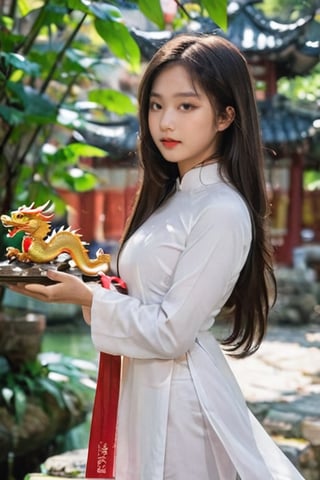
(68, 289)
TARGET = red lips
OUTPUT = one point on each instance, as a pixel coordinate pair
(169, 142)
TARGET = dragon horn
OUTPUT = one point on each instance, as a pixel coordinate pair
(46, 212)
(42, 209)
(24, 208)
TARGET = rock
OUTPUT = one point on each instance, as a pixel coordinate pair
(286, 423)
(311, 430)
(68, 465)
(297, 450)
(21, 336)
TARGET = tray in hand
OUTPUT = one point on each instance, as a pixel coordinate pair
(20, 272)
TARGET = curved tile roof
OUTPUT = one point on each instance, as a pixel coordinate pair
(283, 124)
(294, 46)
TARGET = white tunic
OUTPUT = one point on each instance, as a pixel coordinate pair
(182, 415)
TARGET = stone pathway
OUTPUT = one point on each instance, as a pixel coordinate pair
(281, 384)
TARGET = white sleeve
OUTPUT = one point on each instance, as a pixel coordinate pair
(207, 270)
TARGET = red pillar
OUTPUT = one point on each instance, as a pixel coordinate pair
(292, 239)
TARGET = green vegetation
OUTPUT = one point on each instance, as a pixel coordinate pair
(287, 9)
(39, 380)
(304, 90)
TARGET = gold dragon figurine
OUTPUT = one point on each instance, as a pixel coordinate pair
(38, 247)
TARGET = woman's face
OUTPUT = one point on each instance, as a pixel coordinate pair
(181, 119)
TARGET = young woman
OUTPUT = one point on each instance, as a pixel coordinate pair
(196, 242)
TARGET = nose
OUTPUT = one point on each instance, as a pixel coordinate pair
(167, 121)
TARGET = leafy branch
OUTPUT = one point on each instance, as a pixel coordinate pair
(38, 380)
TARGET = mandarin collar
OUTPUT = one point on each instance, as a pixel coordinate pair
(199, 177)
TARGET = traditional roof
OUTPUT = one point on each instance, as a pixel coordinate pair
(294, 46)
(284, 124)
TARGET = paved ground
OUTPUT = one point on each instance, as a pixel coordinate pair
(281, 384)
(285, 368)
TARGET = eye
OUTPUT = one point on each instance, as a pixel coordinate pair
(186, 107)
(154, 106)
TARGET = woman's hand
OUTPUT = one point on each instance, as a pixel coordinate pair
(69, 289)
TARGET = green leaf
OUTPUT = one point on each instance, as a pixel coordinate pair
(68, 370)
(11, 115)
(6, 22)
(54, 14)
(84, 366)
(119, 41)
(84, 150)
(69, 155)
(20, 403)
(26, 6)
(21, 63)
(81, 5)
(32, 380)
(4, 365)
(29, 382)
(63, 157)
(106, 12)
(113, 100)
(38, 108)
(78, 62)
(85, 182)
(9, 41)
(217, 10)
(44, 56)
(75, 179)
(153, 11)
(34, 367)
(17, 90)
(53, 389)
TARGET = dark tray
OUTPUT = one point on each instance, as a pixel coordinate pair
(19, 272)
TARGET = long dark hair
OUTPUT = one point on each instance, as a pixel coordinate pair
(221, 71)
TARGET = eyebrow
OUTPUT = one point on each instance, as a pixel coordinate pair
(177, 95)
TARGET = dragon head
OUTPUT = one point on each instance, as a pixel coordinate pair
(29, 220)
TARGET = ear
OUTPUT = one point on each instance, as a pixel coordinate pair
(226, 118)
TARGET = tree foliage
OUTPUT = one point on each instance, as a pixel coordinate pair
(302, 89)
(288, 9)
